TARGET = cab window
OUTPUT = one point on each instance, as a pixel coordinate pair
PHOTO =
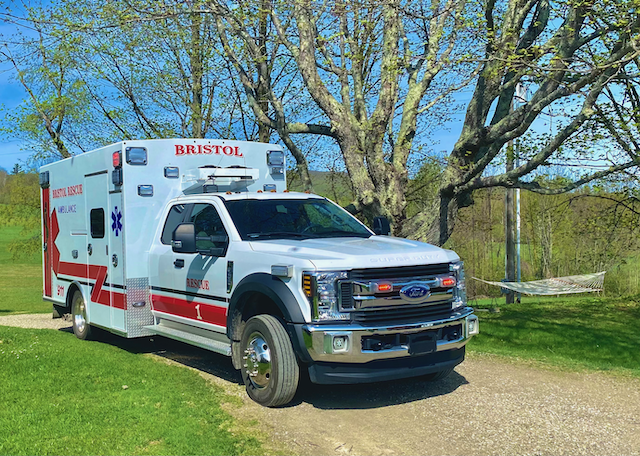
(210, 232)
(173, 220)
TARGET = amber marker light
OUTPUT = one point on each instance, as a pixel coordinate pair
(306, 285)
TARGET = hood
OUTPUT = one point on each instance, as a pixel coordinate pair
(357, 253)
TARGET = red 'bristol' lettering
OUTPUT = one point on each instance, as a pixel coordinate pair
(207, 149)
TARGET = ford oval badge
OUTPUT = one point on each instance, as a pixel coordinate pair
(415, 292)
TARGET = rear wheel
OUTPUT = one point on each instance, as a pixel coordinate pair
(269, 367)
(81, 327)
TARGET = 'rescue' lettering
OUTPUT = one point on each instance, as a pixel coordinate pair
(207, 149)
(197, 283)
(71, 190)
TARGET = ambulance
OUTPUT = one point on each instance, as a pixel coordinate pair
(200, 241)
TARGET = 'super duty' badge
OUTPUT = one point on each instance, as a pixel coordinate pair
(415, 292)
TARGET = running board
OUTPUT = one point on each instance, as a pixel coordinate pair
(193, 339)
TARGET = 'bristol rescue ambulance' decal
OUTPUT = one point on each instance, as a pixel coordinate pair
(71, 190)
(116, 219)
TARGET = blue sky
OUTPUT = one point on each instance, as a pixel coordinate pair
(11, 94)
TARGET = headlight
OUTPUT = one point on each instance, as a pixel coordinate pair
(321, 288)
(460, 291)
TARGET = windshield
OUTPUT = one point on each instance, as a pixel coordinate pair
(292, 219)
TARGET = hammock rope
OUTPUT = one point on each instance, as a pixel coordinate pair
(584, 283)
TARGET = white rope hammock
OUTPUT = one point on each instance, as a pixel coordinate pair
(585, 283)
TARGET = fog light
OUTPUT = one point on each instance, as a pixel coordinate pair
(472, 326)
(340, 343)
(337, 342)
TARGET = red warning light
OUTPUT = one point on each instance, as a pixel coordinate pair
(448, 282)
(116, 160)
(384, 287)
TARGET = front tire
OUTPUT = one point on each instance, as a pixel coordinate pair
(269, 367)
(81, 326)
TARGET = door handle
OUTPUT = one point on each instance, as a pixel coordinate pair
(179, 263)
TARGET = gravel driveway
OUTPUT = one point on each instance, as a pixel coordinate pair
(487, 406)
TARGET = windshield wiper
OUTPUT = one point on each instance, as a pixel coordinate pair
(340, 233)
(272, 234)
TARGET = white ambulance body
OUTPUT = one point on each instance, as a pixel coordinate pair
(199, 241)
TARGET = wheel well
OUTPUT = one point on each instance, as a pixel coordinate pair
(251, 304)
(70, 292)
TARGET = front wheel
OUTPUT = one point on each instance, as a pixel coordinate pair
(269, 367)
(81, 327)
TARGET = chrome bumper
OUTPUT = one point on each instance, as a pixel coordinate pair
(319, 339)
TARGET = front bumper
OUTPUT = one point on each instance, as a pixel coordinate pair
(320, 340)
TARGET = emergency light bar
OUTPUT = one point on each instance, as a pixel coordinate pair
(212, 180)
(229, 173)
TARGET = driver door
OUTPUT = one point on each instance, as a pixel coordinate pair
(191, 287)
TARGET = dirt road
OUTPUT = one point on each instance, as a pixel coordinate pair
(487, 406)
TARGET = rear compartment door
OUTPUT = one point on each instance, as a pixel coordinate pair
(96, 204)
(115, 277)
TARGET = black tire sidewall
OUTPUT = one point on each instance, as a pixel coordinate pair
(264, 396)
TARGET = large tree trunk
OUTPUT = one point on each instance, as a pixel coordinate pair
(197, 74)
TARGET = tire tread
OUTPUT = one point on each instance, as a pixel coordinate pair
(288, 369)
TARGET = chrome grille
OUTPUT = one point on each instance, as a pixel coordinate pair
(423, 270)
(346, 295)
(396, 311)
(409, 313)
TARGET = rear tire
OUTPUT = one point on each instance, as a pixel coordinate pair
(269, 367)
(81, 326)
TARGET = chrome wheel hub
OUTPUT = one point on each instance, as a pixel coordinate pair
(257, 360)
(80, 318)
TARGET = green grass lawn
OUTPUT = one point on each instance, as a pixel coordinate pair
(20, 281)
(61, 395)
(580, 332)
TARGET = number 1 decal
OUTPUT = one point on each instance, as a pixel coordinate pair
(198, 312)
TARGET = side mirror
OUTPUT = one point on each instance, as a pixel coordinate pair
(184, 238)
(381, 226)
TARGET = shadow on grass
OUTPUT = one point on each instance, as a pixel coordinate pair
(185, 354)
(329, 397)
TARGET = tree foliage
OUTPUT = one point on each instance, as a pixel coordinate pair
(372, 79)
(20, 206)
(582, 232)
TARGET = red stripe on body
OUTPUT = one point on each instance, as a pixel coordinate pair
(83, 271)
(99, 274)
(209, 313)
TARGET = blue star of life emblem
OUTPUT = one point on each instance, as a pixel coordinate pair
(116, 217)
